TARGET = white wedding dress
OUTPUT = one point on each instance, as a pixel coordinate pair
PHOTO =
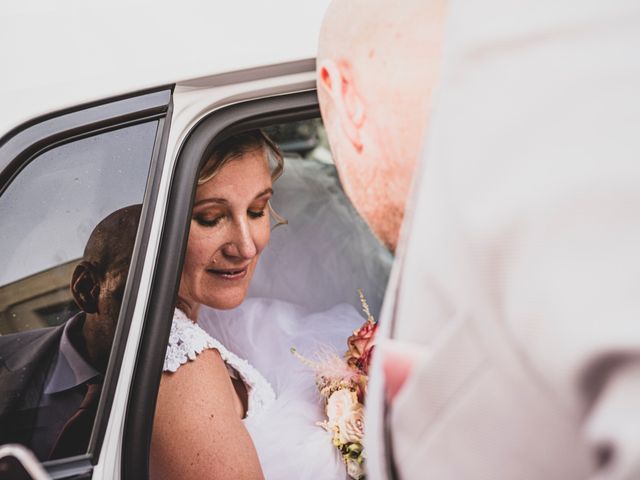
(284, 405)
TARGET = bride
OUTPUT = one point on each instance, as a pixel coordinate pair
(233, 402)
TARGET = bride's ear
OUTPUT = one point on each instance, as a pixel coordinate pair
(336, 81)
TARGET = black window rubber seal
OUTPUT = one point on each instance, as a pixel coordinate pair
(133, 283)
(153, 342)
(26, 142)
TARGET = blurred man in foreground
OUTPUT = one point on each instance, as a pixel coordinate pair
(378, 65)
(516, 288)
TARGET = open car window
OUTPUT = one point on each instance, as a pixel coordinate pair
(304, 291)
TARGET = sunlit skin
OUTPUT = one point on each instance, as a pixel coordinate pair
(229, 229)
(375, 99)
(198, 430)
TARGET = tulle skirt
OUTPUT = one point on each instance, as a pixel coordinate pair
(288, 440)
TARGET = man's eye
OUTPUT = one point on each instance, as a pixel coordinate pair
(255, 213)
(207, 221)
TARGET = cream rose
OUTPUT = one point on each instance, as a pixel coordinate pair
(351, 428)
(346, 417)
(340, 404)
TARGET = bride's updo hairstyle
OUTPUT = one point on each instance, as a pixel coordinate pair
(238, 145)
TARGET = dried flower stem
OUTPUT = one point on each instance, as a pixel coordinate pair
(306, 361)
(365, 307)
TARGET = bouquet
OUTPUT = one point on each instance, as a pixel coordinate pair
(342, 382)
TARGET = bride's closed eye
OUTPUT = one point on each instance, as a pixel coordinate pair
(257, 208)
(205, 220)
(255, 213)
(208, 221)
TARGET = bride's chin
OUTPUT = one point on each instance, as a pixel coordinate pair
(226, 300)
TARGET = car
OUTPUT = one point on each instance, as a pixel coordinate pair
(117, 104)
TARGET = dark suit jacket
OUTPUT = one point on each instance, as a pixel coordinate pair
(25, 360)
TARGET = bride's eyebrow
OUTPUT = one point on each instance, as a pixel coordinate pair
(266, 191)
(221, 201)
(224, 201)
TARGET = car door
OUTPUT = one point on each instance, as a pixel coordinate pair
(204, 108)
(136, 137)
(60, 176)
(159, 140)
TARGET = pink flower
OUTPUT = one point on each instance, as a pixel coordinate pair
(361, 345)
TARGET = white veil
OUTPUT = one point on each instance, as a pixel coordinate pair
(326, 252)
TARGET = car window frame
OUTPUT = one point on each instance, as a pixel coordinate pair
(25, 143)
(254, 113)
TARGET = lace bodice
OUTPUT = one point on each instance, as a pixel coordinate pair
(187, 340)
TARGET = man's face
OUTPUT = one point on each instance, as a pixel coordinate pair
(377, 171)
(368, 184)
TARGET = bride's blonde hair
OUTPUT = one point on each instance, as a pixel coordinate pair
(239, 145)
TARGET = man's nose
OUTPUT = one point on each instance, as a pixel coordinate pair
(241, 243)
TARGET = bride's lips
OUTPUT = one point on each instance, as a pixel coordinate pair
(229, 273)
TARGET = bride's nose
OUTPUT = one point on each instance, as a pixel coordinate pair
(241, 243)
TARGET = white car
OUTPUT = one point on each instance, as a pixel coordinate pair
(110, 105)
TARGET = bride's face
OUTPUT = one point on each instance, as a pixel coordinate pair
(229, 228)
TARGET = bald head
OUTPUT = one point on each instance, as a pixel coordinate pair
(378, 63)
(98, 282)
(362, 29)
(111, 242)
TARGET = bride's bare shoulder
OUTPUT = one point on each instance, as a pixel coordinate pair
(196, 416)
(205, 375)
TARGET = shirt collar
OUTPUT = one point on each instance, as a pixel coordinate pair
(71, 369)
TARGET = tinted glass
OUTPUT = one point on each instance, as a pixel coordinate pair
(59, 228)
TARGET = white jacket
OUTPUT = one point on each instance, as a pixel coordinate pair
(520, 271)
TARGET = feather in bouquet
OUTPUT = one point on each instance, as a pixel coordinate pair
(342, 382)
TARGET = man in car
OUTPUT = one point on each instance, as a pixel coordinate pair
(517, 292)
(51, 378)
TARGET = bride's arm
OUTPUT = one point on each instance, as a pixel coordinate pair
(197, 432)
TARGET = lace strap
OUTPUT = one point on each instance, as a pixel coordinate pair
(188, 339)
